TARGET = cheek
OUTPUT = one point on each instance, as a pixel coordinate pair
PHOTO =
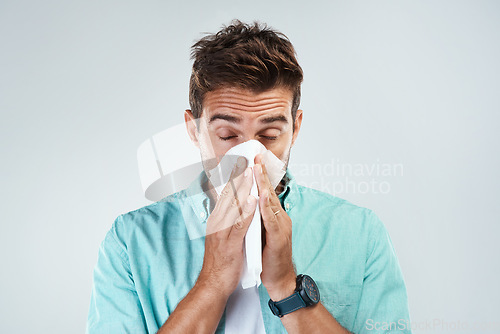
(211, 147)
(281, 154)
(281, 147)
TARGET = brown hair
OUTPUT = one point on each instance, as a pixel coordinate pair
(252, 57)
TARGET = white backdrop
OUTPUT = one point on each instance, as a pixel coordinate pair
(401, 115)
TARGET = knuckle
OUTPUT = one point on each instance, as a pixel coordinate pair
(225, 191)
(247, 216)
(235, 202)
(238, 224)
(247, 209)
(272, 219)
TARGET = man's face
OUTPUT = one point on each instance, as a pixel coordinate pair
(232, 116)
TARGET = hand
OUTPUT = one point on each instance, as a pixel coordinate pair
(278, 274)
(226, 229)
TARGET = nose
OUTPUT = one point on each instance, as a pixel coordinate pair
(249, 137)
(246, 137)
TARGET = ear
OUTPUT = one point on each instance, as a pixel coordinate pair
(191, 127)
(298, 123)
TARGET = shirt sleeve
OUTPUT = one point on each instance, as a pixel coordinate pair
(114, 304)
(383, 307)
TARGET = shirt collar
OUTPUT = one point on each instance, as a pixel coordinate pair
(289, 195)
(197, 196)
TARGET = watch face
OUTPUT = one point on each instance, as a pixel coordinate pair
(310, 289)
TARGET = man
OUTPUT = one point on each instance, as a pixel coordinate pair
(152, 277)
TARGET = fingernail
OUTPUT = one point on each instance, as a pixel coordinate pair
(240, 162)
(260, 168)
(249, 202)
(247, 171)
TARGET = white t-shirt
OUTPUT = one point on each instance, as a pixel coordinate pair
(243, 312)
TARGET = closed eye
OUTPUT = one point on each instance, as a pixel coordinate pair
(227, 138)
(265, 137)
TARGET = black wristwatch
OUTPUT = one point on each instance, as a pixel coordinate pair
(306, 294)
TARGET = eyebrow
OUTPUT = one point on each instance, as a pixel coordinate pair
(271, 119)
(225, 117)
(233, 119)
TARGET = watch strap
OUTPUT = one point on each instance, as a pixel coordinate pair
(287, 305)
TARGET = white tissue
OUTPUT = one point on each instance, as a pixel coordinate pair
(219, 176)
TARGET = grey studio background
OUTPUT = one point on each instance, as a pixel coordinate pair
(403, 92)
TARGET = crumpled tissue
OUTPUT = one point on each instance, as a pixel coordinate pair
(219, 176)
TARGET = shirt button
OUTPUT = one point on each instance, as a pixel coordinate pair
(287, 206)
(202, 215)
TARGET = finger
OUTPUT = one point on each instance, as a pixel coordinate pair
(233, 208)
(264, 183)
(217, 221)
(269, 219)
(242, 223)
(235, 178)
(230, 208)
(272, 191)
(258, 159)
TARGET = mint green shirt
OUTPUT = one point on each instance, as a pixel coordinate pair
(151, 257)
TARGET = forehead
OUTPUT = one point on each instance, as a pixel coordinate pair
(231, 99)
